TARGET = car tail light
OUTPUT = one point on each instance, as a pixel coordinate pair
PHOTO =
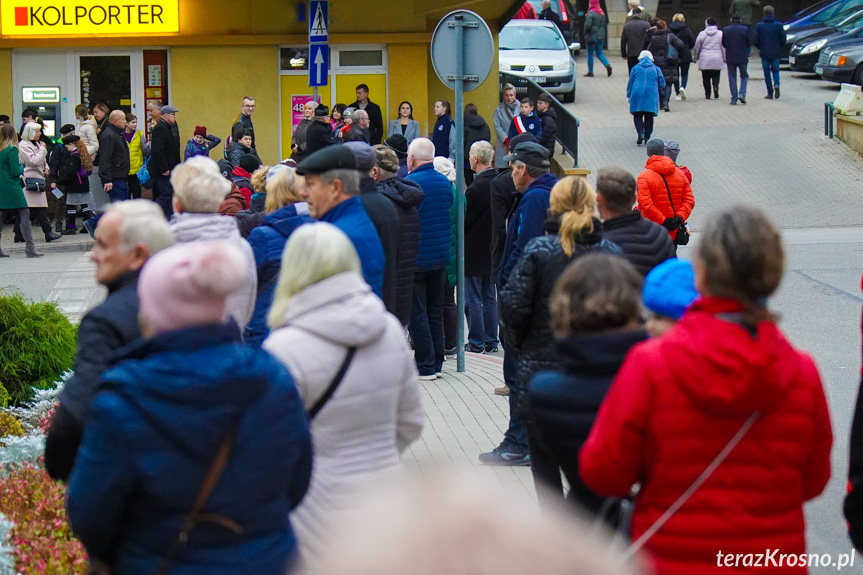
(564, 15)
(842, 60)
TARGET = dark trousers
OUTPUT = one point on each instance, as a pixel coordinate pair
(59, 205)
(72, 213)
(664, 95)
(119, 191)
(134, 186)
(163, 194)
(631, 61)
(481, 310)
(516, 434)
(733, 70)
(771, 73)
(643, 123)
(450, 318)
(426, 323)
(684, 77)
(709, 77)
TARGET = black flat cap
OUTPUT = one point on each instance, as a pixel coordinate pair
(322, 111)
(337, 157)
(530, 153)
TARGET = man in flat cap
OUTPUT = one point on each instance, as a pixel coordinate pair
(331, 186)
(164, 156)
(533, 182)
(319, 135)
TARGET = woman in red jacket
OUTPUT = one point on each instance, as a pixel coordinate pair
(678, 401)
(664, 193)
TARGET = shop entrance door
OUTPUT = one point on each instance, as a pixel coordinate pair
(106, 80)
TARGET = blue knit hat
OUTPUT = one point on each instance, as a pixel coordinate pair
(669, 288)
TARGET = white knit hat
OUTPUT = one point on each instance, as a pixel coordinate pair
(645, 54)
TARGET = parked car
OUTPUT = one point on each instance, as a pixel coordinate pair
(829, 15)
(809, 10)
(843, 63)
(535, 49)
(805, 52)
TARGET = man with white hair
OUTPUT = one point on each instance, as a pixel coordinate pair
(548, 14)
(129, 233)
(199, 190)
(633, 4)
(430, 278)
(359, 130)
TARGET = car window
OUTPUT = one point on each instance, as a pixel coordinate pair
(531, 38)
(850, 23)
(812, 9)
(537, 5)
(844, 7)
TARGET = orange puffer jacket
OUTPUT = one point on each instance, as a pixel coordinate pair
(653, 196)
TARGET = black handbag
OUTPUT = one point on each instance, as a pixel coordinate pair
(34, 184)
(682, 230)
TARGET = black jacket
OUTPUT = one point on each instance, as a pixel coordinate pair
(248, 220)
(355, 134)
(504, 198)
(405, 196)
(245, 122)
(632, 38)
(549, 14)
(475, 129)
(658, 46)
(682, 31)
(549, 129)
(55, 159)
(376, 121)
(113, 155)
(524, 302)
(318, 136)
(164, 149)
(644, 243)
(103, 331)
(737, 41)
(562, 406)
(69, 177)
(386, 221)
(478, 225)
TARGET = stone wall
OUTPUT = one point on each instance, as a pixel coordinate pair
(617, 10)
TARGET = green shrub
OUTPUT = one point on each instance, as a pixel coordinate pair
(37, 344)
(9, 426)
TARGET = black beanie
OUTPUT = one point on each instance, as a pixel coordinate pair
(250, 163)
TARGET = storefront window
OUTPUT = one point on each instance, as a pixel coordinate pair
(367, 58)
(294, 59)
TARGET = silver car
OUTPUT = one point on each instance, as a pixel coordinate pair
(841, 63)
(536, 49)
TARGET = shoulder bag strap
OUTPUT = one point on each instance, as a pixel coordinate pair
(195, 516)
(667, 189)
(331, 389)
(699, 481)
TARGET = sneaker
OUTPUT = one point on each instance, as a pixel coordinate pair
(776, 92)
(438, 374)
(742, 99)
(89, 228)
(733, 102)
(491, 348)
(430, 377)
(589, 75)
(768, 97)
(678, 97)
(471, 348)
(640, 140)
(683, 93)
(503, 456)
(450, 353)
(666, 108)
(502, 390)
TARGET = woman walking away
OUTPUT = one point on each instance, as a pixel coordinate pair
(405, 123)
(138, 149)
(595, 33)
(742, 416)
(32, 153)
(642, 91)
(74, 173)
(596, 318)
(355, 373)
(684, 34)
(197, 447)
(710, 55)
(524, 301)
(666, 49)
(285, 212)
(11, 195)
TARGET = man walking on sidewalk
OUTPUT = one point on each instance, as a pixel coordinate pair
(735, 39)
(632, 38)
(769, 38)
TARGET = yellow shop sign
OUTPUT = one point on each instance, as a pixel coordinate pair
(88, 17)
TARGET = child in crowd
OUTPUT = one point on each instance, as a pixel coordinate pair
(672, 149)
(526, 121)
(668, 290)
(73, 174)
(200, 144)
(347, 122)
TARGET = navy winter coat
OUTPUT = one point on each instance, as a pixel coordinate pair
(736, 39)
(443, 137)
(350, 217)
(526, 222)
(478, 225)
(644, 243)
(268, 242)
(769, 38)
(562, 407)
(434, 214)
(155, 429)
(521, 124)
(383, 215)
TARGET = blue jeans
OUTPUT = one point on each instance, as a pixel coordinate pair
(598, 48)
(119, 191)
(732, 80)
(771, 73)
(516, 434)
(426, 323)
(163, 194)
(481, 310)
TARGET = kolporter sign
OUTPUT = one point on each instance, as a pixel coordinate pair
(88, 17)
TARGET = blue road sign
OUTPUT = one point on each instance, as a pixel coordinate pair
(319, 21)
(319, 64)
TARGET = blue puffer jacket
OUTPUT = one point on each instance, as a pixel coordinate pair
(434, 214)
(525, 223)
(154, 430)
(268, 242)
(769, 38)
(645, 80)
(350, 217)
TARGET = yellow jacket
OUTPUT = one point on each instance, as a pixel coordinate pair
(136, 152)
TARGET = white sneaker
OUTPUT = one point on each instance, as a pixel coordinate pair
(683, 93)
(677, 97)
(431, 377)
(438, 374)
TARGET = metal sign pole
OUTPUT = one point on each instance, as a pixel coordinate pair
(459, 182)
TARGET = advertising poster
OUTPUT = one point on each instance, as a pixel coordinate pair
(297, 103)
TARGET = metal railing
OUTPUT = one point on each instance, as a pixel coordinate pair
(567, 124)
(828, 119)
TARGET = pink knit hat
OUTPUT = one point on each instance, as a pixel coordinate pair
(187, 284)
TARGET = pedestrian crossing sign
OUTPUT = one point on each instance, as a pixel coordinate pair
(319, 21)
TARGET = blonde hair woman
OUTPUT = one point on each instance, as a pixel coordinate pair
(285, 212)
(524, 301)
(11, 196)
(33, 155)
(333, 333)
(249, 219)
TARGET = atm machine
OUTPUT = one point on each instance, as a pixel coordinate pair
(46, 101)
